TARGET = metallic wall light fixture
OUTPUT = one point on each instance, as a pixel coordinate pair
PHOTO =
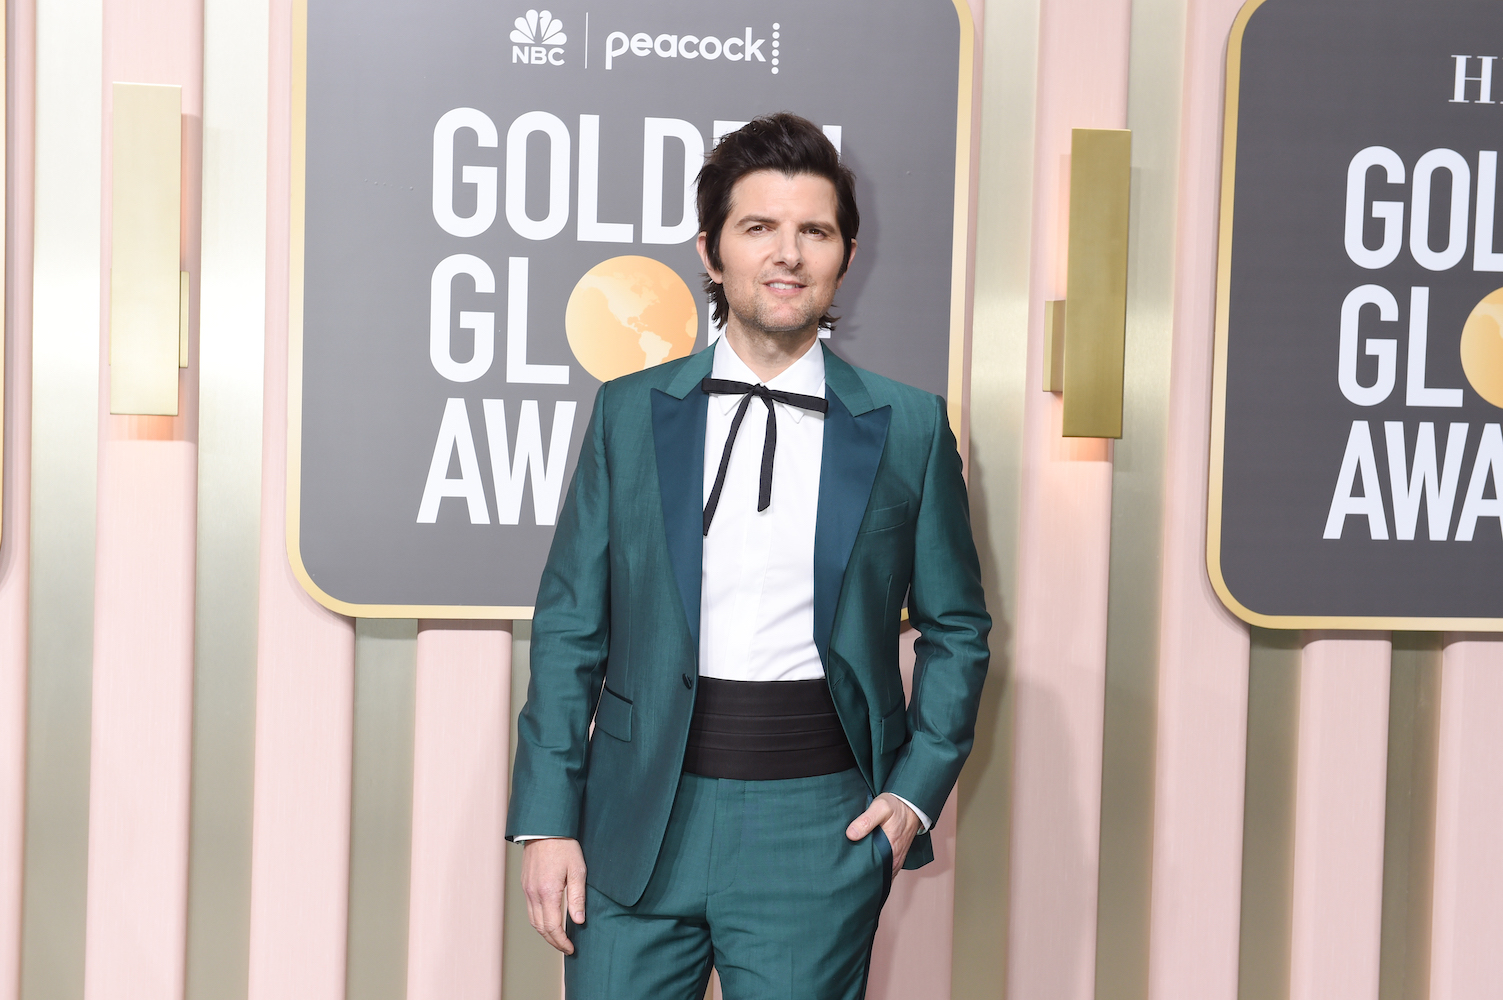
(148, 291)
(1083, 355)
(1054, 345)
(182, 319)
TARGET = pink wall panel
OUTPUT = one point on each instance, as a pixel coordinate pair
(1197, 858)
(1338, 819)
(142, 722)
(459, 789)
(911, 956)
(15, 555)
(143, 639)
(305, 678)
(1467, 959)
(1064, 546)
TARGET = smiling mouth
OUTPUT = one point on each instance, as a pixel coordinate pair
(784, 286)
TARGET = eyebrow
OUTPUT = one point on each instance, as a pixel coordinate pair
(768, 220)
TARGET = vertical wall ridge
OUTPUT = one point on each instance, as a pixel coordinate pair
(15, 512)
(1273, 695)
(999, 352)
(1409, 824)
(66, 365)
(1139, 486)
(381, 808)
(231, 358)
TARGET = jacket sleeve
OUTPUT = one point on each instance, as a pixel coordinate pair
(948, 608)
(570, 638)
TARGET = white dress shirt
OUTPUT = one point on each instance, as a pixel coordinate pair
(756, 606)
(756, 611)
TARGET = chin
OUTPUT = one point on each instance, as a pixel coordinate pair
(790, 328)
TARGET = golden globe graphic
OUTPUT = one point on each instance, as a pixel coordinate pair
(1482, 348)
(630, 313)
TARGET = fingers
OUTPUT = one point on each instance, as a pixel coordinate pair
(545, 911)
(576, 894)
(901, 826)
(876, 814)
(553, 879)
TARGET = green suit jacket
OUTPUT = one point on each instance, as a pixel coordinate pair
(615, 637)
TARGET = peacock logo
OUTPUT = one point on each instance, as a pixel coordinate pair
(538, 39)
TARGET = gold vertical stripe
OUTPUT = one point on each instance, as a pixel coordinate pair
(1409, 824)
(1268, 815)
(960, 236)
(146, 183)
(381, 808)
(64, 471)
(231, 362)
(530, 968)
(1139, 467)
(999, 379)
(1096, 304)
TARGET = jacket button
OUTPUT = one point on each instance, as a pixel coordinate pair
(687, 682)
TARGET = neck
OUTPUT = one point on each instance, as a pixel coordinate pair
(768, 355)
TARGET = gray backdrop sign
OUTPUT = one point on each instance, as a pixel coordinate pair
(498, 216)
(1356, 451)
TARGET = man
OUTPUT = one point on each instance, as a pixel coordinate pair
(723, 601)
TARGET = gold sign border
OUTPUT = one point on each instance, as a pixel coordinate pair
(299, 167)
(1218, 399)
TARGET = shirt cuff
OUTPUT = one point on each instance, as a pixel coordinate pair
(524, 838)
(924, 823)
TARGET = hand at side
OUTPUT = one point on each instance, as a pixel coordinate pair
(895, 819)
(553, 877)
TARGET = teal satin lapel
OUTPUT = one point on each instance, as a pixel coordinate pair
(678, 433)
(852, 451)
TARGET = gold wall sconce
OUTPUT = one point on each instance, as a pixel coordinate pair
(148, 291)
(1085, 334)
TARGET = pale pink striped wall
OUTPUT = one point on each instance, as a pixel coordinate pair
(142, 726)
(301, 817)
(143, 611)
(305, 678)
(1338, 820)
(458, 814)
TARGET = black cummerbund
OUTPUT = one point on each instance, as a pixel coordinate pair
(765, 730)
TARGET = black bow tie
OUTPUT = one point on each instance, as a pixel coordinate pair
(712, 386)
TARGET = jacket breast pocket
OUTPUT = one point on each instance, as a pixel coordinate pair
(885, 517)
(613, 715)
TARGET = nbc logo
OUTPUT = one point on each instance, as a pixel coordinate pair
(537, 39)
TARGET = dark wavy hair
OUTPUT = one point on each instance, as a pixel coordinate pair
(790, 145)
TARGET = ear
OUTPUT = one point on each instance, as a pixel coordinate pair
(704, 258)
(839, 281)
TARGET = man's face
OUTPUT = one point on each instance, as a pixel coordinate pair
(780, 252)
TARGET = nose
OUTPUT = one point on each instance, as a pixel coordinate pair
(789, 252)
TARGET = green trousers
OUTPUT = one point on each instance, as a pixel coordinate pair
(758, 880)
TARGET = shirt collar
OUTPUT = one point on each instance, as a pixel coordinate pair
(806, 376)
